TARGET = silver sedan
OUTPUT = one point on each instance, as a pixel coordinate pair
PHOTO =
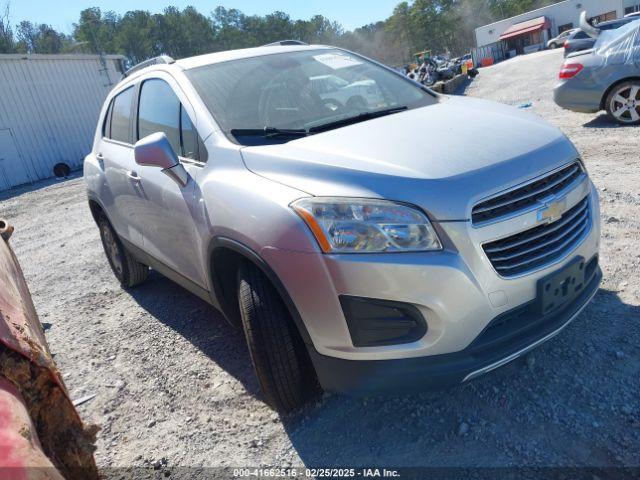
(604, 78)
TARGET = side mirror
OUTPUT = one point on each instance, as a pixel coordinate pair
(155, 151)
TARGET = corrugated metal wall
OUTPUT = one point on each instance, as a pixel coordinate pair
(49, 106)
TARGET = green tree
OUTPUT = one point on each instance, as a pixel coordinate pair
(182, 33)
(134, 36)
(39, 39)
(97, 31)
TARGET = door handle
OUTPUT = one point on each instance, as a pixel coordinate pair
(100, 156)
(133, 176)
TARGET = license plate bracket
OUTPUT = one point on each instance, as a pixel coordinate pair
(561, 287)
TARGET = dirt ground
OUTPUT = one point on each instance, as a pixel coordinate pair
(174, 384)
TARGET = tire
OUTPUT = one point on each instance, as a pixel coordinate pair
(553, 46)
(127, 270)
(277, 351)
(623, 103)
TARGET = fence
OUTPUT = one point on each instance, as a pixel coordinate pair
(495, 51)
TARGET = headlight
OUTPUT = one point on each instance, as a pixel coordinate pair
(354, 225)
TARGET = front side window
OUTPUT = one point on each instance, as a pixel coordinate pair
(300, 90)
(121, 116)
(160, 110)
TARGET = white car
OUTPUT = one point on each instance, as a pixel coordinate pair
(353, 95)
(560, 39)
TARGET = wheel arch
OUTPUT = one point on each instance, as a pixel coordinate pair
(96, 209)
(603, 101)
(225, 257)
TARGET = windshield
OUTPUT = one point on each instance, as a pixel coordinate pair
(298, 91)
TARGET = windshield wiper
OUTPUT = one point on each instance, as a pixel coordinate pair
(361, 117)
(270, 132)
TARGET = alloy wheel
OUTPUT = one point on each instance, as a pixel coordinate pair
(625, 104)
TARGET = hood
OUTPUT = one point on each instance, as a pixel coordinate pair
(443, 158)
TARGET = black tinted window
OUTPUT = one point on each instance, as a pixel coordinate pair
(581, 35)
(106, 125)
(159, 111)
(121, 116)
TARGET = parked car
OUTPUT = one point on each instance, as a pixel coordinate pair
(606, 77)
(579, 40)
(357, 94)
(362, 250)
(560, 39)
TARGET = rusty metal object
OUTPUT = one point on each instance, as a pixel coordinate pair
(26, 363)
(19, 444)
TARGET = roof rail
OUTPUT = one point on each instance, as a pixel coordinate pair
(162, 59)
(284, 43)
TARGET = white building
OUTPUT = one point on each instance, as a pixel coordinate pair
(531, 30)
(49, 106)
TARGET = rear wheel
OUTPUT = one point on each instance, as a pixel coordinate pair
(278, 353)
(623, 103)
(127, 270)
(553, 46)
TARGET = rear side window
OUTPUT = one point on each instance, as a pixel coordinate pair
(581, 35)
(160, 110)
(121, 117)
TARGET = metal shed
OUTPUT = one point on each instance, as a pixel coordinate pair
(49, 105)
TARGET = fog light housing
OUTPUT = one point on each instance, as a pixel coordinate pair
(373, 322)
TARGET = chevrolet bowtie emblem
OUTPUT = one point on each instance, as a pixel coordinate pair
(552, 211)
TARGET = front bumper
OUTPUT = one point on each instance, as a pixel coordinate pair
(521, 331)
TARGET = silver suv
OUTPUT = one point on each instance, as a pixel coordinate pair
(402, 241)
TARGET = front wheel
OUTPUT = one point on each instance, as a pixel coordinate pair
(623, 103)
(278, 353)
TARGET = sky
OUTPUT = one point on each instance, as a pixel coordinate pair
(62, 14)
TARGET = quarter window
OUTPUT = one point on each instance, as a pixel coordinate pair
(106, 126)
(188, 136)
(121, 117)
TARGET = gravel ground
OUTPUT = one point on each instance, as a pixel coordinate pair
(174, 385)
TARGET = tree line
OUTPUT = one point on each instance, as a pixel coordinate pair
(442, 26)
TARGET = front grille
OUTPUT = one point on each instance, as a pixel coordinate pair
(523, 197)
(540, 245)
